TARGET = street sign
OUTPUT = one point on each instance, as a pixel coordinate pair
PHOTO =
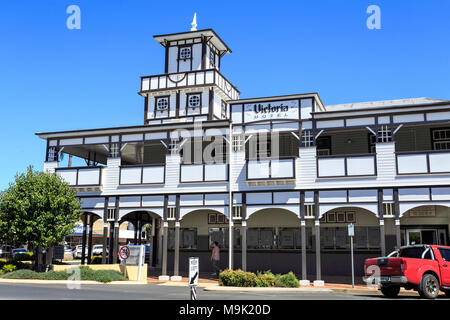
(351, 230)
(193, 271)
(124, 252)
(193, 276)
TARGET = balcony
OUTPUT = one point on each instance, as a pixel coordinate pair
(81, 176)
(279, 171)
(423, 162)
(204, 172)
(187, 79)
(142, 174)
(346, 166)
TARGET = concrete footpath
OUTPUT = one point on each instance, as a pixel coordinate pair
(211, 284)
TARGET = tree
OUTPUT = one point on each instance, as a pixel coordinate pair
(38, 209)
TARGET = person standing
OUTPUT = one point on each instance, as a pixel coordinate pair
(215, 258)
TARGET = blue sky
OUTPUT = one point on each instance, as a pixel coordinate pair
(53, 78)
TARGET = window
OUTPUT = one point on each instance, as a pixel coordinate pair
(238, 142)
(307, 138)
(287, 238)
(162, 104)
(224, 110)
(52, 154)
(323, 146)
(194, 100)
(185, 53)
(414, 252)
(114, 150)
(445, 253)
(441, 139)
(188, 238)
(372, 143)
(384, 134)
(337, 238)
(211, 58)
(217, 234)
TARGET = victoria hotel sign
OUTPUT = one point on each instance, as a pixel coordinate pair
(274, 110)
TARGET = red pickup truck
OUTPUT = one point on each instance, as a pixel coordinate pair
(425, 268)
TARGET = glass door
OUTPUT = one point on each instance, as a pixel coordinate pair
(413, 237)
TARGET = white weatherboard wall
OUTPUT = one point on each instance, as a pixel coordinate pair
(111, 174)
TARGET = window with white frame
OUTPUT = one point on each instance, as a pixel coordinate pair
(162, 103)
(114, 150)
(194, 100)
(238, 142)
(52, 154)
(185, 53)
(307, 138)
(441, 139)
(384, 134)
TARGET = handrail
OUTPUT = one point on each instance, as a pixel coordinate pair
(270, 174)
(188, 72)
(346, 170)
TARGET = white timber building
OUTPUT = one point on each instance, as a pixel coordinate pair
(275, 180)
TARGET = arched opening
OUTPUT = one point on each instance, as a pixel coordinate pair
(335, 242)
(425, 224)
(274, 240)
(199, 228)
(142, 227)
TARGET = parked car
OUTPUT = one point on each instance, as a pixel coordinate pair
(77, 252)
(68, 251)
(97, 250)
(18, 250)
(424, 268)
(5, 251)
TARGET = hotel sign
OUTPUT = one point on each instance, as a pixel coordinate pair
(274, 110)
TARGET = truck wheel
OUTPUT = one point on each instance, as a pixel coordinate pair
(390, 291)
(429, 287)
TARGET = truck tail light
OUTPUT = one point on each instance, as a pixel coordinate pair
(403, 266)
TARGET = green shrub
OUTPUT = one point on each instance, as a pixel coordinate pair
(2, 263)
(237, 278)
(9, 268)
(107, 276)
(266, 279)
(54, 275)
(288, 280)
(22, 274)
(86, 273)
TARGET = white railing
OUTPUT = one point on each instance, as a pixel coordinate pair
(142, 174)
(346, 166)
(427, 162)
(189, 78)
(204, 172)
(271, 169)
(81, 176)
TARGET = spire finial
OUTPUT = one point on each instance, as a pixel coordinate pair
(194, 22)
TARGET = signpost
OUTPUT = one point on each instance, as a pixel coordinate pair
(193, 276)
(351, 234)
(124, 254)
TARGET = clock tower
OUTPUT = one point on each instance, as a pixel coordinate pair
(191, 87)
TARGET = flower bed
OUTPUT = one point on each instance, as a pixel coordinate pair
(239, 278)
